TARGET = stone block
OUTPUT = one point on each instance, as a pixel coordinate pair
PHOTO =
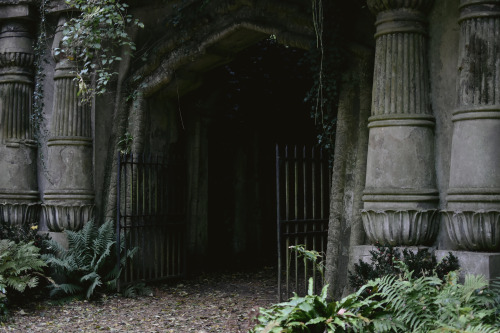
(59, 237)
(477, 263)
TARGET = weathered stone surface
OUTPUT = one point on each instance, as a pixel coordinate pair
(69, 196)
(400, 196)
(401, 227)
(18, 154)
(377, 6)
(20, 213)
(67, 217)
(474, 230)
(474, 187)
(476, 263)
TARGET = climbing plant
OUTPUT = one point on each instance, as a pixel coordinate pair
(37, 116)
(326, 59)
(92, 36)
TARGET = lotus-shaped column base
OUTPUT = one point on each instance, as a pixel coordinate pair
(474, 230)
(401, 227)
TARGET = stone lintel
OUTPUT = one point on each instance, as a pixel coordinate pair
(477, 263)
(16, 11)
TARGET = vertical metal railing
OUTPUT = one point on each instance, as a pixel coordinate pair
(151, 207)
(302, 197)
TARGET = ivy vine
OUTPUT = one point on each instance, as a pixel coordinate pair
(326, 60)
(37, 116)
(92, 37)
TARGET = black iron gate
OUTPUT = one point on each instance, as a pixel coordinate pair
(302, 194)
(151, 207)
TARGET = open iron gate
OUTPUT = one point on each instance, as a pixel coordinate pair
(302, 194)
(151, 210)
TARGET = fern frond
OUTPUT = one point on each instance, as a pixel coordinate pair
(66, 288)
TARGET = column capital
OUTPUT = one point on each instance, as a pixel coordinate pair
(16, 46)
(472, 9)
(378, 6)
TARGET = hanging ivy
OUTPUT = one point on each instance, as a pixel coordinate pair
(92, 37)
(326, 60)
(37, 116)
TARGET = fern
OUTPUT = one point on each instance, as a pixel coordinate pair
(20, 267)
(89, 265)
(427, 304)
(18, 264)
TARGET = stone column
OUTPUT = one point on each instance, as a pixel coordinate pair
(69, 198)
(400, 197)
(473, 208)
(19, 198)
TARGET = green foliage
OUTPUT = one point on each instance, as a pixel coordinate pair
(92, 38)
(40, 47)
(402, 303)
(89, 265)
(23, 233)
(384, 261)
(314, 314)
(313, 257)
(20, 264)
(125, 143)
(428, 304)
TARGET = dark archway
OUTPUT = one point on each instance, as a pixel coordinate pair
(249, 105)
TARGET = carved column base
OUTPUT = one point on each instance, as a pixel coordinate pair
(67, 217)
(19, 213)
(401, 227)
(474, 230)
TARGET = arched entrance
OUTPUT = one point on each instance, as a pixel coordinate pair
(227, 130)
(247, 106)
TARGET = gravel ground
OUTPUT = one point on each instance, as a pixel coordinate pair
(215, 302)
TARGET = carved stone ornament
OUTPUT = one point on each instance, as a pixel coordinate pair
(474, 230)
(377, 6)
(19, 213)
(401, 227)
(65, 217)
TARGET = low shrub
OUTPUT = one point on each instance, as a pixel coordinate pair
(384, 261)
(27, 232)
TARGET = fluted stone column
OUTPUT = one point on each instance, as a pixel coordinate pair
(69, 198)
(19, 197)
(400, 197)
(473, 209)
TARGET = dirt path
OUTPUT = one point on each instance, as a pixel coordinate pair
(219, 303)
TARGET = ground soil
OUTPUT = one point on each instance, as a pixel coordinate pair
(211, 302)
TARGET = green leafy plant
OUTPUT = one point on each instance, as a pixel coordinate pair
(384, 261)
(92, 37)
(89, 265)
(125, 143)
(20, 267)
(23, 233)
(313, 314)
